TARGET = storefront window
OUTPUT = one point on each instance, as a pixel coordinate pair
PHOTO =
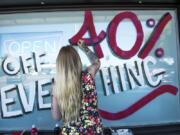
(138, 82)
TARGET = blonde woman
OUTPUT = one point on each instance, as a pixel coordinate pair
(74, 97)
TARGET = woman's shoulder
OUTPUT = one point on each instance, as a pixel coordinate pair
(86, 76)
(86, 73)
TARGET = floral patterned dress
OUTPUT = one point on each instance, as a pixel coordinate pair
(89, 122)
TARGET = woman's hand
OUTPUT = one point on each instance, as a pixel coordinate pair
(81, 44)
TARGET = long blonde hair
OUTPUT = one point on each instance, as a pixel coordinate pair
(68, 83)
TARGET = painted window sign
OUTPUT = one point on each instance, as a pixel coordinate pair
(138, 80)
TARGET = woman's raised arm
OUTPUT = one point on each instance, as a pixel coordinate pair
(95, 62)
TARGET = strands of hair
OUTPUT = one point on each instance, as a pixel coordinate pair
(68, 83)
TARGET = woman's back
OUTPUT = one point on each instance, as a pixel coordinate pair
(89, 121)
(74, 95)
